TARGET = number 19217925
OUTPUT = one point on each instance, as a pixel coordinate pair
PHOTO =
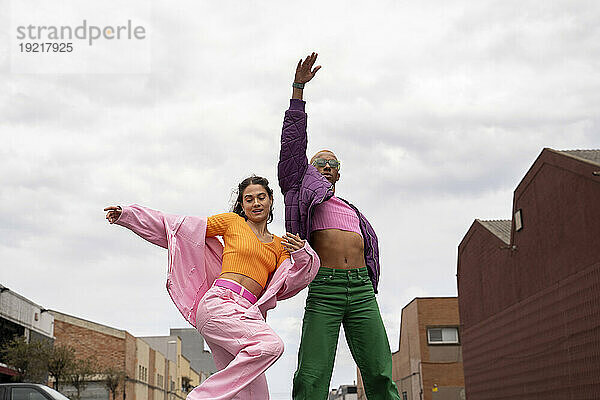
(46, 47)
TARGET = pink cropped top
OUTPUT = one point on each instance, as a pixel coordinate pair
(335, 214)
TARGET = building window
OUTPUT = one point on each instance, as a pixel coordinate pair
(447, 335)
(404, 396)
(142, 373)
(518, 220)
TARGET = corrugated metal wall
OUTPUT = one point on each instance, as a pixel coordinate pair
(546, 347)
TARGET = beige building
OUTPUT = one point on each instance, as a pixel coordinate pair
(188, 378)
(171, 380)
(141, 381)
(195, 378)
(157, 366)
(185, 349)
(167, 359)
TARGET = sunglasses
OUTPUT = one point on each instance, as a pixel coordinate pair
(321, 162)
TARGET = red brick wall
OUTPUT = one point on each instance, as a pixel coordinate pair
(436, 312)
(442, 375)
(531, 317)
(109, 350)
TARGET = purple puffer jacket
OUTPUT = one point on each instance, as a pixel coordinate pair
(304, 187)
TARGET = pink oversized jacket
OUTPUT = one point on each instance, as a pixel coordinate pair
(195, 260)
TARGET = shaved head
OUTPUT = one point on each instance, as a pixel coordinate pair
(321, 152)
(331, 174)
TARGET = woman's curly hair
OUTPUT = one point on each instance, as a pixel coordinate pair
(251, 180)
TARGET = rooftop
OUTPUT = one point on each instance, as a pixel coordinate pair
(587, 155)
(499, 227)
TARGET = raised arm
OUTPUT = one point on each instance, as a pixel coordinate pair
(304, 73)
(292, 155)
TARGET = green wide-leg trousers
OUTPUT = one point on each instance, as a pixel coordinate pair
(345, 297)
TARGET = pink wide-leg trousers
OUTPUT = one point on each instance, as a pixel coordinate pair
(242, 348)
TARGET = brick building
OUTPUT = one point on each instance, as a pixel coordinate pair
(529, 287)
(150, 374)
(428, 363)
(112, 348)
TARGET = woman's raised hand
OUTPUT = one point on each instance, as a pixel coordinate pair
(113, 214)
(305, 71)
(292, 242)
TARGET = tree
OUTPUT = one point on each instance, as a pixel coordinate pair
(36, 360)
(80, 373)
(113, 377)
(61, 359)
(30, 360)
(186, 384)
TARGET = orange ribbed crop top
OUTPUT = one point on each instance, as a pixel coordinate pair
(244, 253)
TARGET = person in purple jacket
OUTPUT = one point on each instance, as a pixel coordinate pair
(343, 292)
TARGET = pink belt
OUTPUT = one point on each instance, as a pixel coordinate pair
(237, 288)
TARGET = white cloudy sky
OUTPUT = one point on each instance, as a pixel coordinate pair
(436, 109)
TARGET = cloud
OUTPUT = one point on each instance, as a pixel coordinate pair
(436, 110)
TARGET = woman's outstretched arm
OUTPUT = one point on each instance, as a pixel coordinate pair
(149, 224)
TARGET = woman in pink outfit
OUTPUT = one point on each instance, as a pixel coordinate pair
(225, 291)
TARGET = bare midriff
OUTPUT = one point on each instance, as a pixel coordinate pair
(245, 281)
(338, 249)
